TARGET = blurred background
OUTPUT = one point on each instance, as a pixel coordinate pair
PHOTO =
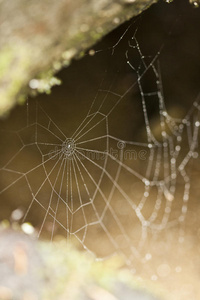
(57, 266)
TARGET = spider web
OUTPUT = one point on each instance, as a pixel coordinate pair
(88, 182)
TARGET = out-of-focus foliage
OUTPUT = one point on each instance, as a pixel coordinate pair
(35, 270)
(38, 38)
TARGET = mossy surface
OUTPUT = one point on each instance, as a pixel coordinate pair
(34, 47)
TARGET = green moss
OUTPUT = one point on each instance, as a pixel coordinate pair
(6, 58)
(76, 272)
(95, 35)
(14, 66)
(46, 81)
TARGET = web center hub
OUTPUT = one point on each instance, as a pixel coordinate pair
(68, 147)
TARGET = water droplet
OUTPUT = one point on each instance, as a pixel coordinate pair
(146, 182)
(34, 83)
(92, 52)
(17, 214)
(148, 256)
(116, 20)
(27, 228)
(195, 3)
